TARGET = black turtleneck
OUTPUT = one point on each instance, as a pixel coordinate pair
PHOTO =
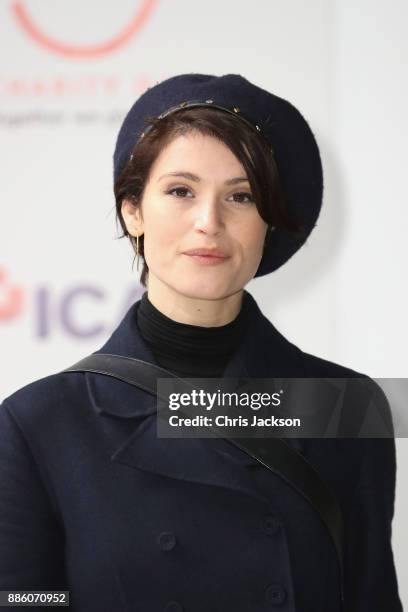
(190, 351)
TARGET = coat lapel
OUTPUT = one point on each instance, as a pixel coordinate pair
(263, 353)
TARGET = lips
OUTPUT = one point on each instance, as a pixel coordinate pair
(207, 253)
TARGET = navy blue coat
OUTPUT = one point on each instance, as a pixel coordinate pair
(93, 502)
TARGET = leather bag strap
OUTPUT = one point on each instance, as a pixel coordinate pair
(276, 455)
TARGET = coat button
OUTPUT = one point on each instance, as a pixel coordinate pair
(167, 540)
(173, 606)
(275, 594)
(270, 525)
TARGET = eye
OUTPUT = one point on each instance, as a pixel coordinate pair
(178, 192)
(243, 197)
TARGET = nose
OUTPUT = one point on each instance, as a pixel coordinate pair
(209, 217)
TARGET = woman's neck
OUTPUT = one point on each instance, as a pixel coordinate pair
(190, 350)
(202, 311)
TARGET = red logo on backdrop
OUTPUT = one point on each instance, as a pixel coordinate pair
(11, 297)
(83, 51)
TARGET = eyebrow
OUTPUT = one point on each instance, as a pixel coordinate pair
(195, 178)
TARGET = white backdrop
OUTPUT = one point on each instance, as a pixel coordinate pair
(69, 71)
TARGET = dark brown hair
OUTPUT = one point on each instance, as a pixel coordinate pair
(246, 144)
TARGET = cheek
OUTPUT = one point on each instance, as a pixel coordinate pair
(163, 234)
(253, 236)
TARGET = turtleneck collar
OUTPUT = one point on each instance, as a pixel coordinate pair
(190, 350)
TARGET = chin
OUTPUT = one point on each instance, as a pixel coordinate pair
(203, 291)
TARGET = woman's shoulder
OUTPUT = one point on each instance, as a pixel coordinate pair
(361, 393)
(322, 368)
(44, 396)
(318, 367)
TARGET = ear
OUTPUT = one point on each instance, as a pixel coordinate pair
(132, 216)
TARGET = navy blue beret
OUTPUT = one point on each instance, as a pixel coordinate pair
(274, 118)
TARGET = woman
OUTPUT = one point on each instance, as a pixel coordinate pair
(216, 181)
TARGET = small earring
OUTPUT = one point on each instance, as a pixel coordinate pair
(137, 254)
(137, 251)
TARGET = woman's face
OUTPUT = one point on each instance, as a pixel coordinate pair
(198, 197)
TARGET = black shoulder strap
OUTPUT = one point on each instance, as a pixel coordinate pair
(276, 455)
